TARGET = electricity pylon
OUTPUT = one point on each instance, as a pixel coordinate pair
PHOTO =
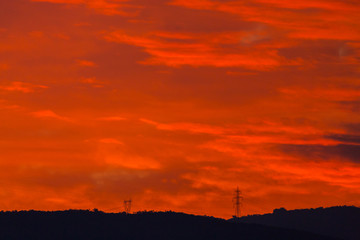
(237, 201)
(127, 206)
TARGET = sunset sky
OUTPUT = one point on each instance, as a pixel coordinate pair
(175, 103)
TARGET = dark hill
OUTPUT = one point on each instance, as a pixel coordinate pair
(96, 225)
(342, 222)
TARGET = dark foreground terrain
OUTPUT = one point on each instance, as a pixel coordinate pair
(91, 225)
(342, 222)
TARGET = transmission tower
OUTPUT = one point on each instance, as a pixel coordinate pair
(127, 206)
(237, 201)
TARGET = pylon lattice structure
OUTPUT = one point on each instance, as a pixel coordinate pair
(237, 201)
(127, 206)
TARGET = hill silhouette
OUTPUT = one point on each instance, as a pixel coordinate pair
(97, 225)
(342, 222)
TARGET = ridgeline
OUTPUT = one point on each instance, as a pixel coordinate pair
(341, 222)
(97, 225)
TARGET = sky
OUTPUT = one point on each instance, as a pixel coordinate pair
(175, 103)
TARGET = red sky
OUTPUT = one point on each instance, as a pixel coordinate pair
(174, 103)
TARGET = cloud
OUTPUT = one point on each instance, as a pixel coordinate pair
(111, 119)
(331, 94)
(188, 127)
(49, 114)
(86, 63)
(345, 138)
(110, 154)
(6, 105)
(107, 7)
(344, 152)
(93, 82)
(298, 19)
(22, 87)
(353, 127)
(111, 141)
(340, 99)
(202, 50)
(352, 106)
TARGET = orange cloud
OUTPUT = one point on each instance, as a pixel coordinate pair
(112, 118)
(326, 94)
(86, 63)
(93, 81)
(201, 51)
(5, 105)
(332, 18)
(49, 114)
(111, 154)
(110, 141)
(22, 87)
(189, 127)
(117, 7)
